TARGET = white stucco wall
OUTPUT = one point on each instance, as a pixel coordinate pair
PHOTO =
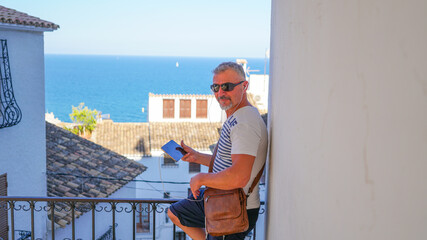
(155, 108)
(23, 147)
(348, 120)
(258, 86)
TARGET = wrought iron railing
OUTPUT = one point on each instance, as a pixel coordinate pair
(10, 113)
(93, 206)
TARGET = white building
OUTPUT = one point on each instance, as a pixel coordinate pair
(258, 91)
(258, 86)
(23, 146)
(183, 108)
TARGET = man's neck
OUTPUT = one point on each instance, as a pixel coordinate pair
(232, 110)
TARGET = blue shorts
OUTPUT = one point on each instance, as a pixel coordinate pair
(191, 213)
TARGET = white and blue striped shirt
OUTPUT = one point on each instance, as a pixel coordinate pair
(244, 132)
(223, 156)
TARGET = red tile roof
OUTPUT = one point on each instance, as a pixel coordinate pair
(132, 139)
(77, 167)
(11, 16)
(196, 135)
(140, 139)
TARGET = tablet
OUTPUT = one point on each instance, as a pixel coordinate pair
(174, 150)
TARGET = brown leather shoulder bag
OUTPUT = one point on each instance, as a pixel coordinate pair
(225, 210)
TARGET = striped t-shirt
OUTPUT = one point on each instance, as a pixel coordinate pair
(244, 132)
(223, 155)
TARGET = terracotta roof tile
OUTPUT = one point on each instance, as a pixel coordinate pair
(140, 139)
(11, 16)
(123, 138)
(67, 154)
(196, 135)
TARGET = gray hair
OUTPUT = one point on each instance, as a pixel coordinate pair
(232, 66)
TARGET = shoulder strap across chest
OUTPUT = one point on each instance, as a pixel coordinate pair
(254, 183)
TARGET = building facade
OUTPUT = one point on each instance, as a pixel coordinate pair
(183, 108)
(23, 146)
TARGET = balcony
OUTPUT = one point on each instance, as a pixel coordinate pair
(83, 217)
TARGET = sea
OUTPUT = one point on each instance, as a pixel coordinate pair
(119, 85)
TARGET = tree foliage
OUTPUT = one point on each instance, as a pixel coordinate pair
(84, 118)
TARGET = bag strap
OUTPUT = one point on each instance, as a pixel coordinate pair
(256, 180)
(254, 183)
(213, 158)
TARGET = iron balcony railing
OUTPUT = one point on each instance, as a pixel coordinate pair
(76, 206)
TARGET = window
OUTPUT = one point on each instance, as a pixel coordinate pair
(168, 161)
(193, 167)
(168, 108)
(184, 108)
(143, 218)
(166, 194)
(202, 109)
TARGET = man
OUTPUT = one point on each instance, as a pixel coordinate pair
(242, 150)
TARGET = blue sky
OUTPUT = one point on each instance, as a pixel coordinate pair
(220, 28)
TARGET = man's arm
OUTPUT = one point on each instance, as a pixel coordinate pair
(236, 176)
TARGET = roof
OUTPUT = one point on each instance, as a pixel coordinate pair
(69, 156)
(195, 134)
(132, 139)
(140, 139)
(11, 16)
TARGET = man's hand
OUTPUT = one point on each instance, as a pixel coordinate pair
(191, 155)
(194, 156)
(195, 184)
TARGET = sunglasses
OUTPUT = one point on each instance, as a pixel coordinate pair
(225, 86)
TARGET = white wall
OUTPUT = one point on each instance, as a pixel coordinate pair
(23, 147)
(348, 120)
(155, 108)
(258, 86)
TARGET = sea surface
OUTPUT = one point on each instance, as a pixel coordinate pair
(119, 85)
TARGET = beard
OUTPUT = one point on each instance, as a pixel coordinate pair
(223, 106)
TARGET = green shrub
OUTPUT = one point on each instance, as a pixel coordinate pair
(85, 119)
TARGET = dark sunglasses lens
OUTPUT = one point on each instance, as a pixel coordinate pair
(227, 87)
(215, 87)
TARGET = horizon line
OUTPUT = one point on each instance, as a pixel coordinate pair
(130, 55)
